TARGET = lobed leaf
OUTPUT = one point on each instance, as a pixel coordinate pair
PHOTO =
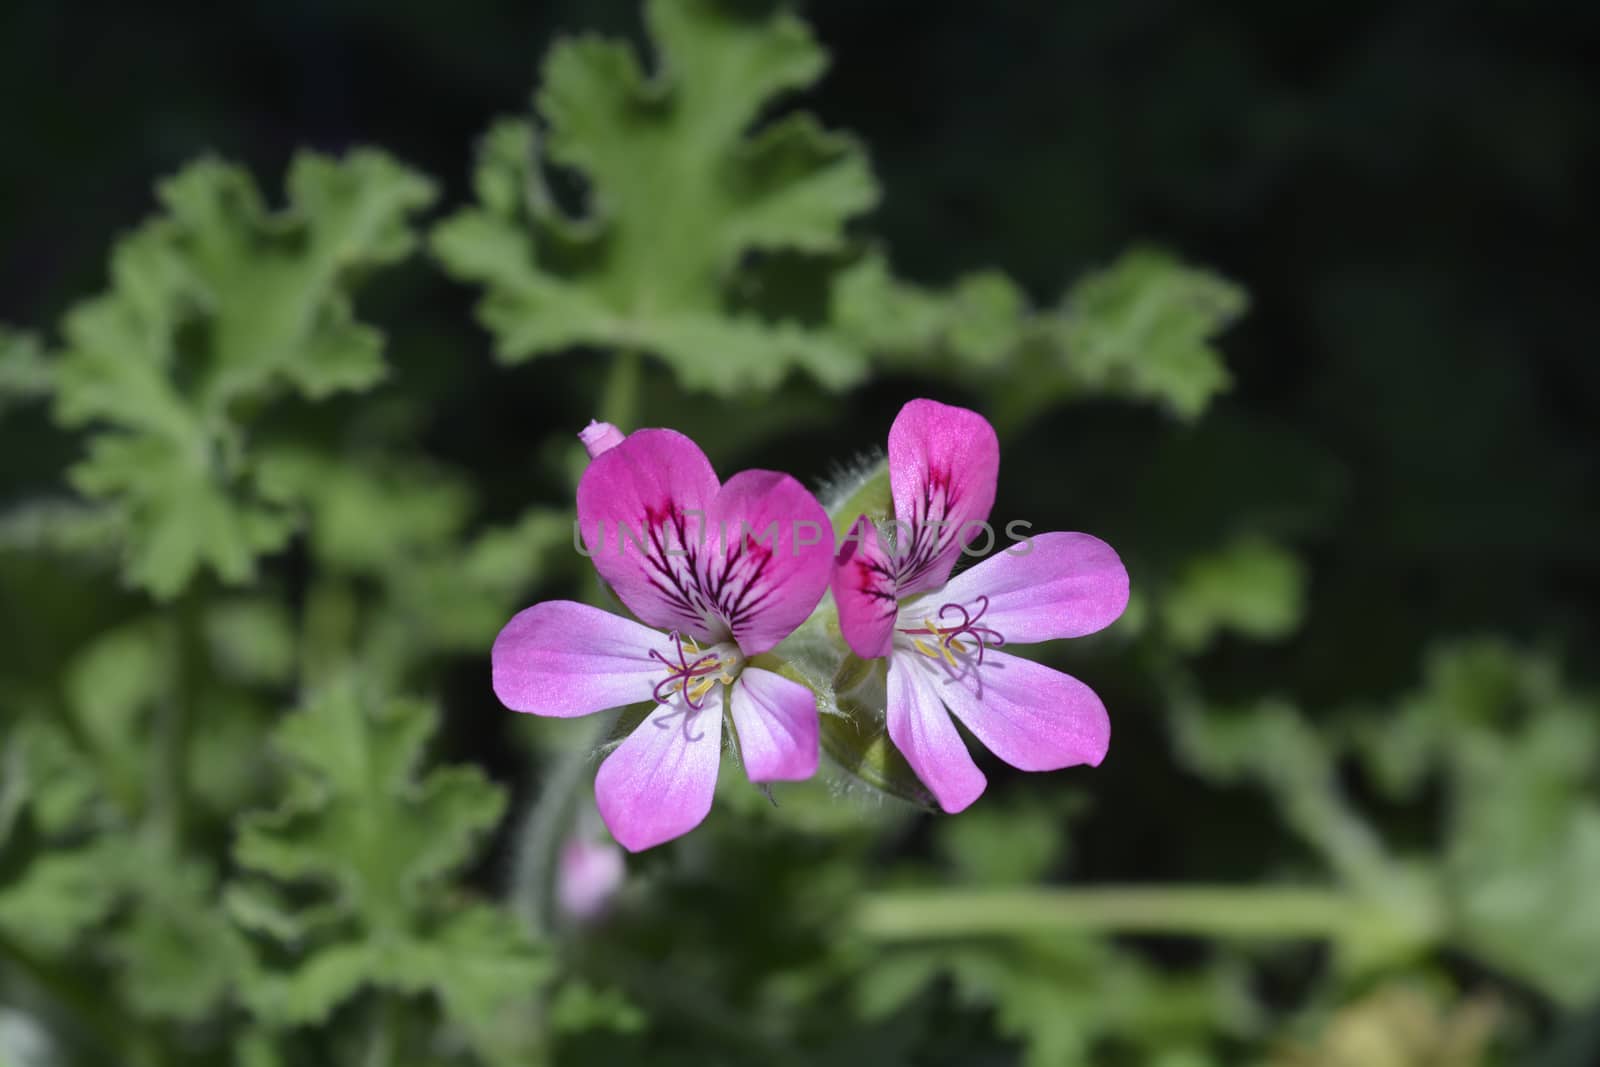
(215, 305)
(681, 193)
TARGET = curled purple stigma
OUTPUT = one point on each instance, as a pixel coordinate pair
(982, 636)
(681, 673)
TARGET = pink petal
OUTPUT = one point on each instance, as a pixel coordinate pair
(658, 783)
(921, 729)
(864, 591)
(1065, 585)
(767, 557)
(776, 720)
(598, 437)
(653, 490)
(564, 659)
(1034, 718)
(943, 465)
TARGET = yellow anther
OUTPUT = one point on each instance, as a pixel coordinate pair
(697, 692)
(924, 649)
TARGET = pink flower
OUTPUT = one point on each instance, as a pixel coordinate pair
(941, 634)
(722, 572)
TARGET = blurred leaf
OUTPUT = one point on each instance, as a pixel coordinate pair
(24, 372)
(1011, 845)
(1522, 857)
(974, 326)
(459, 602)
(367, 514)
(357, 820)
(178, 955)
(62, 894)
(1253, 587)
(578, 1006)
(1067, 1001)
(216, 303)
(1144, 327)
(251, 640)
(1141, 328)
(381, 840)
(45, 775)
(679, 193)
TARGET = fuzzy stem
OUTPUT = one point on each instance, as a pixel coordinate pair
(619, 402)
(1190, 911)
(169, 784)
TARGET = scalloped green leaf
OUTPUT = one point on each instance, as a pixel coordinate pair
(218, 305)
(681, 192)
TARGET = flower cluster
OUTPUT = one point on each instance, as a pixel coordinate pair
(717, 574)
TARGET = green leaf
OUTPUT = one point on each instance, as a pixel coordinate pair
(380, 840)
(972, 328)
(24, 372)
(61, 894)
(178, 953)
(213, 308)
(680, 193)
(358, 820)
(1522, 856)
(1253, 587)
(367, 515)
(578, 1006)
(997, 845)
(1144, 327)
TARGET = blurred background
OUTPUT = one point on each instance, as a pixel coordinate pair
(1360, 654)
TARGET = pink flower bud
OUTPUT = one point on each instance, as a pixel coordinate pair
(588, 875)
(598, 437)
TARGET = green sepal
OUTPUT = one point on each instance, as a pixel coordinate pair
(860, 745)
(870, 496)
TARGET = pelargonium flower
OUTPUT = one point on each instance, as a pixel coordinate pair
(717, 573)
(942, 635)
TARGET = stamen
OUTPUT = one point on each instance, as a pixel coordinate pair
(949, 635)
(693, 678)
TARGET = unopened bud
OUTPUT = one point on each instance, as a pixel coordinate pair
(598, 437)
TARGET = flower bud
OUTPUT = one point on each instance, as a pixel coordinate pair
(588, 875)
(598, 437)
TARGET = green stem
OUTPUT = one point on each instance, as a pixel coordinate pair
(169, 784)
(545, 826)
(383, 1028)
(619, 403)
(1196, 911)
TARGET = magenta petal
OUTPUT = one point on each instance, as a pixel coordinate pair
(921, 729)
(768, 553)
(658, 783)
(1064, 585)
(776, 720)
(864, 592)
(943, 465)
(1034, 718)
(564, 659)
(643, 509)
